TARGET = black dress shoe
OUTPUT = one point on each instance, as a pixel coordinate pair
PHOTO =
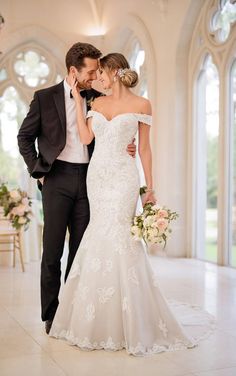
(48, 324)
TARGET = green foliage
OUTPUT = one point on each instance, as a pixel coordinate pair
(142, 190)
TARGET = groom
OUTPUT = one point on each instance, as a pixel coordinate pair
(60, 165)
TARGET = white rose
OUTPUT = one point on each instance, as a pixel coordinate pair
(135, 221)
(15, 195)
(145, 234)
(22, 220)
(136, 232)
(148, 221)
(156, 207)
(152, 234)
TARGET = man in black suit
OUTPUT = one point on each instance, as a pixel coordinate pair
(60, 165)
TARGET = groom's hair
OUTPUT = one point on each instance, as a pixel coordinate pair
(76, 54)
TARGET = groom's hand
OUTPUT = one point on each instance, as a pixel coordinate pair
(131, 149)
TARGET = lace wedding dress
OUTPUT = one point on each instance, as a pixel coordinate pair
(111, 299)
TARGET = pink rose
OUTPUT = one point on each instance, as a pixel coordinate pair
(20, 210)
(162, 213)
(25, 201)
(162, 224)
(14, 211)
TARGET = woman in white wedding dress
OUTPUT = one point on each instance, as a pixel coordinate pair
(111, 299)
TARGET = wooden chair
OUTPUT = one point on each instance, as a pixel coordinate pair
(11, 236)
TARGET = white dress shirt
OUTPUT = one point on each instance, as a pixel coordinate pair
(74, 151)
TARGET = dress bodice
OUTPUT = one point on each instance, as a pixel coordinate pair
(115, 134)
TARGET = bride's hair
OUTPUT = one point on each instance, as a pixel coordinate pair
(117, 61)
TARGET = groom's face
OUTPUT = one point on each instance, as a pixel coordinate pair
(87, 74)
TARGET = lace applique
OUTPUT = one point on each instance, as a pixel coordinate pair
(83, 292)
(120, 250)
(132, 276)
(142, 118)
(145, 119)
(138, 349)
(107, 268)
(75, 270)
(125, 305)
(95, 264)
(163, 328)
(105, 294)
(126, 243)
(85, 343)
(90, 312)
(121, 247)
(110, 344)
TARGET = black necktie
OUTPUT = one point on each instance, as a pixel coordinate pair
(82, 93)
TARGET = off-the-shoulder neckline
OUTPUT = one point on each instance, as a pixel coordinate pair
(121, 114)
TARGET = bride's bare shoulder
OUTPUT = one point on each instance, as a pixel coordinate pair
(99, 101)
(144, 105)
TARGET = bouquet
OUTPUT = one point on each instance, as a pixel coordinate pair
(16, 206)
(153, 225)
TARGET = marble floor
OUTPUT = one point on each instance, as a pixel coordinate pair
(26, 350)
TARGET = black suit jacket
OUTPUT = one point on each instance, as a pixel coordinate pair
(46, 123)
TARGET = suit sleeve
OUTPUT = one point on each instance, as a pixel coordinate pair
(29, 131)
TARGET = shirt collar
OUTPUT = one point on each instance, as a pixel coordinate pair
(67, 88)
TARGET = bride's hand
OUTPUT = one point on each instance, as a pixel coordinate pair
(148, 197)
(75, 91)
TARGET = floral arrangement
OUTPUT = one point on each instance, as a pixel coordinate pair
(153, 225)
(16, 206)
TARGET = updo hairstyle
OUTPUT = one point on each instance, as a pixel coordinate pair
(113, 61)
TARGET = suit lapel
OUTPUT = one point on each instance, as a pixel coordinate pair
(89, 98)
(59, 99)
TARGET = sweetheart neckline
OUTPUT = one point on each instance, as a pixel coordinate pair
(123, 113)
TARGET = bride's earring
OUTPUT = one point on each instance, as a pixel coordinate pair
(114, 79)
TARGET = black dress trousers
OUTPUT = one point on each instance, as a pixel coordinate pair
(65, 205)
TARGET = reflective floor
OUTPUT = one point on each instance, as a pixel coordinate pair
(26, 350)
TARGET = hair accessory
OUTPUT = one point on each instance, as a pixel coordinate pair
(121, 72)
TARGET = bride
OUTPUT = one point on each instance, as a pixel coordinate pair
(111, 299)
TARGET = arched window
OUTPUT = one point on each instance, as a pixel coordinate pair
(12, 112)
(213, 134)
(24, 70)
(222, 20)
(207, 149)
(136, 59)
(232, 174)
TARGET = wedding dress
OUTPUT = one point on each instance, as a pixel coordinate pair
(111, 299)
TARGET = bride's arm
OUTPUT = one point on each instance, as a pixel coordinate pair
(146, 155)
(86, 134)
